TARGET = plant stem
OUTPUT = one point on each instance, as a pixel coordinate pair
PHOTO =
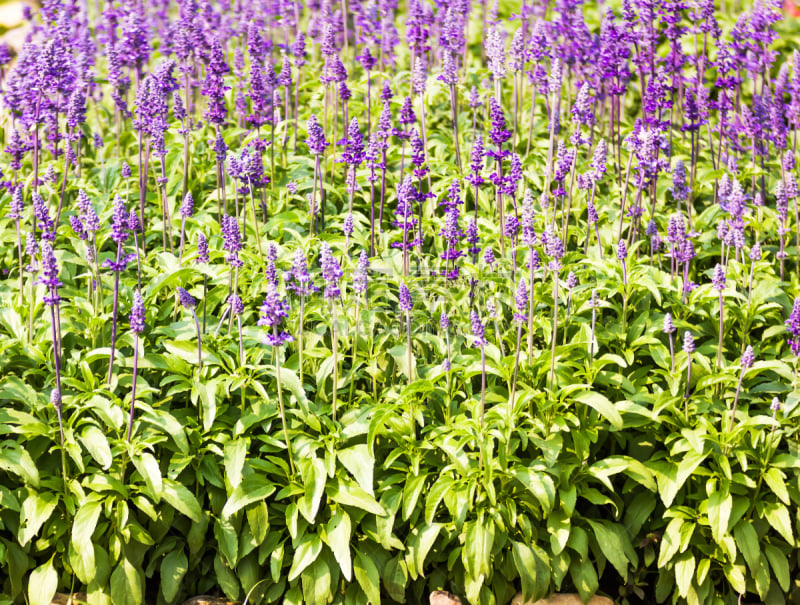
(281, 408)
(551, 378)
(133, 385)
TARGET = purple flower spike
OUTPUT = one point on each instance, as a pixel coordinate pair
(405, 299)
(622, 250)
(273, 311)
(138, 313)
(748, 358)
(521, 300)
(237, 307)
(444, 321)
(718, 280)
(688, 342)
(316, 136)
(16, 206)
(360, 274)
(186, 299)
(119, 221)
(202, 249)
(669, 326)
(331, 272)
(478, 330)
(187, 207)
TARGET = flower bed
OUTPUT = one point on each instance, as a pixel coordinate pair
(323, 303)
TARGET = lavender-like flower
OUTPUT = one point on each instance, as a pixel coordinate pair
(316, 136)
(202, 249)
(331, 272)
(232, 240)
(273, 311)
(186, 299)
(405, 298)
(688, 343)
(360, 275)
(521, 300)
(793, 326)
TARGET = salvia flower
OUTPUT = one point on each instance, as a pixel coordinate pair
(793, 325)
(187, 207)
(718, 280)
(360, 275)
(478, 330)
(16, 206)
(688, 342)
(119, 221)
(521, 300)
(273, 311)
(669, 326)
(299, 280)
(232, 240)
(186, 299)
(137, 313)
(316, 136)
(202, 249)
(748, 357)
(331, 272)
(405, 298)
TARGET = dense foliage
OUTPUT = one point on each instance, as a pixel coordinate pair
(346, 303)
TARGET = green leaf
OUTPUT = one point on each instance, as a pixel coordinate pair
(169, 424)
(418, 545)
(252, 489)
(778, 517)
(670, 542)
(42, 584)
(684, 573)
(368, 577)
(525, 562)
(401, 358)
(747, 541)
(36, 509)
(173, 568)
(360, 463)
(96, 444)
(779, 563)
(736, 576)
(584, 576)
(720, 504)
(435, 495)
(182, 499)
(147, 466)
(395, 579)
(226, 578)
(477, 550)
(777, 483)
(228, 541)
(17, 460)
(611, 465)
(350, 494)
(338, 532)
(316, 581)
(83, 527)
(413, 488)
(615, 545)
(127, 584)
(602, 405)
(314, 479)
(539, 484)
(291, 381)
(305, 554)
(207, 393)
(235, 453)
